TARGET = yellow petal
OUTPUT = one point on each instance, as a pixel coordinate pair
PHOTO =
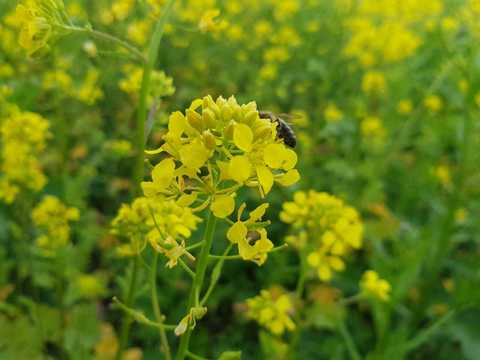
(237, 232)
(194, 155)
(265, 178)
(223, 206)
(289, 178)
(289, 159)
(163, 173)
(196, 104)
(246, 251)
(313, 259)
(324, 273)
(272, 157)
(258, 213)
(149, 188)
(243, 137)
(187, 199)
(240, 169)
(177, 124)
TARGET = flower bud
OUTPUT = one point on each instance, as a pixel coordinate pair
(194, 119)
(209, 140)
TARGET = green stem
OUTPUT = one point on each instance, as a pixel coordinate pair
(164, 347)
(426, 334)
(186, 268)
(145, 89)
(215, 276)
(351, 299)
(127, 320)
(108, 38)
(140, 144)
(347, 337)
(299, 294)
(302, 276)
(198, 281)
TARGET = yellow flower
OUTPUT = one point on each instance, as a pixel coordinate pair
(90, 92)
(373, 82)
(39, 21)
(23, 138)
(164, 224)
(272, 309)
(461, 215)
(208, 23)
(213, 150)
(251, 231)
(332, 113)
(324, 228)
(433, 103)
(223, 206)
(443, 174)
(90, 286)
(404, 107)
(372, 285)
(52, 218)
(373, 130)
(162, 85)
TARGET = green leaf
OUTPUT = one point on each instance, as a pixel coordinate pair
(230, 355)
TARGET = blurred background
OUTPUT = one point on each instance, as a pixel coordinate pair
(384, 98)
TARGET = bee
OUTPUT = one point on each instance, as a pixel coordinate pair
(284, 131)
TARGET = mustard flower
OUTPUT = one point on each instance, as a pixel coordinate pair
(324, 228)
(244, 233)
(404, 107)
(208, 22)
(272, 309)
(372, 285)
(165, 225)
(433, 103)
(373, 130)
(52, 218)
(162, 85)
(212, 151)
(443, 174)
(23, 138)
(332, 113)
(90, 92)
(40, 21)
(373, 82)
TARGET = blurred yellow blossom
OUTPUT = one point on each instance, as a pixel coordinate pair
(373, 82)
(324, 228)
(272, 309)
(372, 285)
(23, 137)
(165, 225)
(433, 103)
(332, 113)
(52, 217)
(404, 107)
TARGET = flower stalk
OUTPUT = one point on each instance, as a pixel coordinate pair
(198, 280)
(140, 143)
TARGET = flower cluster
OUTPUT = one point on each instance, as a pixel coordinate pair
(23, 140)
(212, 151)
(272, 309)
(324, 228)
(162, 85)
(40, 21)
(165, 225)
(386, 31)
(52, 218)
(372, 285)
